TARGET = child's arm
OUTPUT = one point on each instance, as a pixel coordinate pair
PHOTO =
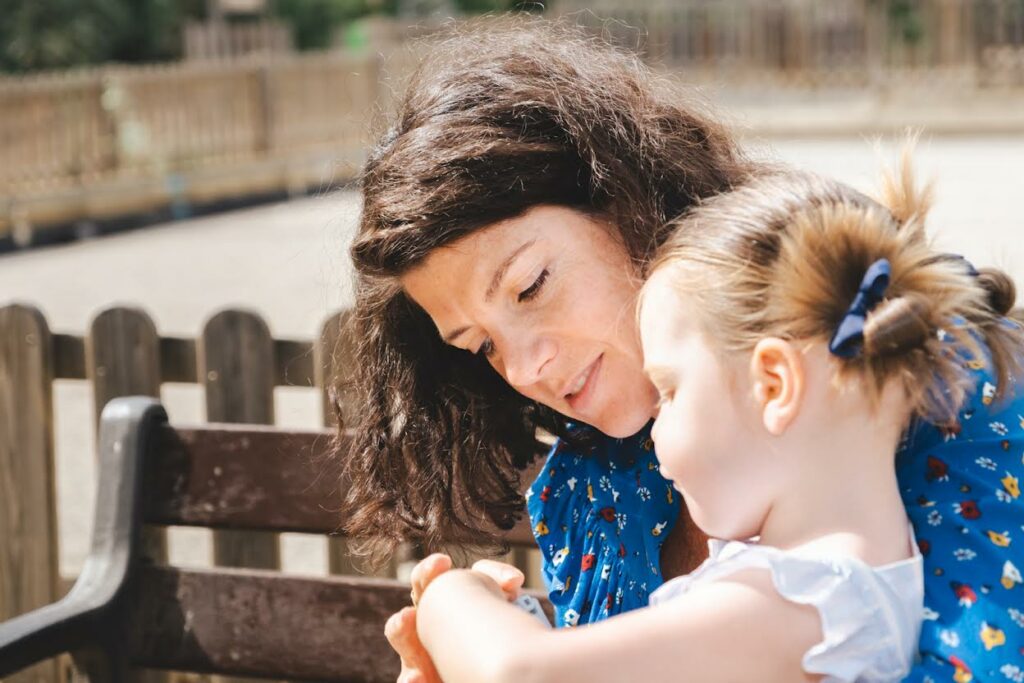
(729, 630)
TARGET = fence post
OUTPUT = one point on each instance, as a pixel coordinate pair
(330, 369)
(122, 354)
(236, 367)
(29, 561)
(263, 105)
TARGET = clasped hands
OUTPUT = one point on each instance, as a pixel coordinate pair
(400, 629)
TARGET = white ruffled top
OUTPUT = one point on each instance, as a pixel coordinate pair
(870, 616)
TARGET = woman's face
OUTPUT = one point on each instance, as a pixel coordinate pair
(549, 298)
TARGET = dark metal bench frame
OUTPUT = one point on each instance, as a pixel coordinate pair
(89, 621)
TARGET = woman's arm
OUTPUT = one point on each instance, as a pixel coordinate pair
(729, 630)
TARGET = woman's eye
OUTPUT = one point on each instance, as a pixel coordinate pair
(486, 349)
(534, 289)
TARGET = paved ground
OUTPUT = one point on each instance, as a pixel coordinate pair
(288, 261)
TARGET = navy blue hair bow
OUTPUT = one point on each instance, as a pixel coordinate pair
(848, 339)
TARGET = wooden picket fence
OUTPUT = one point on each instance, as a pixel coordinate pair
(934, 45)
(223, 40)
(236, 361)
(89, 145)
(94, 144)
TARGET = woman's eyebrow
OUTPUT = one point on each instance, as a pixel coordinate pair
(499, 274)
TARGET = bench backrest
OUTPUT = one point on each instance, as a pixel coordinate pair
(125, 612)
(227, 476)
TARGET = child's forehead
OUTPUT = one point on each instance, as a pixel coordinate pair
(664, 307)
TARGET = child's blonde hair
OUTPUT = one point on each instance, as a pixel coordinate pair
(785, 254)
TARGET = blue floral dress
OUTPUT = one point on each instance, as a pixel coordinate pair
(961, 487)
(600, 518)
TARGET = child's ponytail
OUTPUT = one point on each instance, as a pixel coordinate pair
(796, 256)
(899, 325)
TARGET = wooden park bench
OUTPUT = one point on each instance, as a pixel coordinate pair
(125, 612)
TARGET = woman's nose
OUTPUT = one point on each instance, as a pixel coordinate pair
(528, 364)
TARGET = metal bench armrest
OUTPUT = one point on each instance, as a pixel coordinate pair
(91, 616)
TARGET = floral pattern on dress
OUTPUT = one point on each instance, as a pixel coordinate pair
(961, 487)
(600, 516)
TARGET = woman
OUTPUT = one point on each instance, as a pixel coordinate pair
(508, 217)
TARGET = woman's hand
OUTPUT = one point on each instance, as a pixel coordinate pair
(425, 571)
(509, 578)
(417, 666)
(400, 630)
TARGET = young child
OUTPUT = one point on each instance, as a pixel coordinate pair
(794, 328)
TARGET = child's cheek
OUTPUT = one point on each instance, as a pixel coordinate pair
(671, 442)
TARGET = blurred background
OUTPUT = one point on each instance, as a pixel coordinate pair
(183, 157)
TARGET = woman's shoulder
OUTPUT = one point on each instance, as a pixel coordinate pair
(990, 415)
(961, 485)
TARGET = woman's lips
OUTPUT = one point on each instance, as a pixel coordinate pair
(578, 400)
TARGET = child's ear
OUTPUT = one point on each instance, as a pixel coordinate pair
(778, 375)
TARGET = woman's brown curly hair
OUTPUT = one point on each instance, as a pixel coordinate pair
(495, 120)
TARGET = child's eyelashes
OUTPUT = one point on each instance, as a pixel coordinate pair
(533, 290)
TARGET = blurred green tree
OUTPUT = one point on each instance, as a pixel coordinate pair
(47, 34)
(51, 34)
(906, 22)
(315, 22)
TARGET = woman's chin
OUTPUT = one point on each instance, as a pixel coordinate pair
(623, 424)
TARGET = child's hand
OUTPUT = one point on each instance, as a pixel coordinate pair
(417, 666)
(509, 578)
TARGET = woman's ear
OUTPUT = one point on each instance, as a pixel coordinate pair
(777, 374)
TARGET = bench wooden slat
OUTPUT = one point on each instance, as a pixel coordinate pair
(255, 622)
(250, 477)
(261, 623)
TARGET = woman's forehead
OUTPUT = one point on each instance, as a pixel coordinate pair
(455, 280)
(466, 263)
(488, 252)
